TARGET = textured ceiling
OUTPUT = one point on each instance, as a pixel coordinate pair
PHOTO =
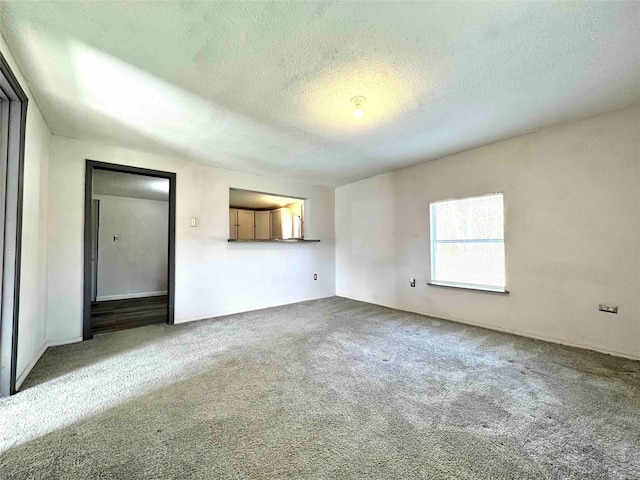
(248, 199)
(130, 185)
(266, 87)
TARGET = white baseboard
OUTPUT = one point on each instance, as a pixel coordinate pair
(123, 296)
(234, 312)
(66, 341)
(25, 373)
(521, 333)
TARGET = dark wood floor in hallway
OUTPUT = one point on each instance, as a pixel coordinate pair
(114, 315)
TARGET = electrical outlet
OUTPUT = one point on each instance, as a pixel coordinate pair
(315, 276)
(608, 308)
(412, 282)
(194, 222)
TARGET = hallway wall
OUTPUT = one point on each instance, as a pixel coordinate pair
(135, 265)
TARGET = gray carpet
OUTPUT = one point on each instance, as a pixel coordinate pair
(326, 389)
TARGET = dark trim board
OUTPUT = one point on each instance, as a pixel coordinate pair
(12, 228)
(92, 165)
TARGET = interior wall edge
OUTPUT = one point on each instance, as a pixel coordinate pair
(22, 376)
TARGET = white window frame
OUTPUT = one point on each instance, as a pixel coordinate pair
(432, 241)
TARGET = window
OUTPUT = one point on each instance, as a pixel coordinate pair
(467, 243)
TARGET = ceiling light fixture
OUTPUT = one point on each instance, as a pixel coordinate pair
(357, 103)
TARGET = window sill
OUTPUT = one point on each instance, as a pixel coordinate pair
(272, 240)
(468, 287)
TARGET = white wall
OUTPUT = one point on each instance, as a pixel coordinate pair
(32, 318)
(572, 196)
(137, 262)
(213, 277)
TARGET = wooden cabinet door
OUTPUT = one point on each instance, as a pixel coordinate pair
(276, 224)
(262, 225)
(245, 225)
(233, 224)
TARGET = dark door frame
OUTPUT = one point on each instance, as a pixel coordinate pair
(92, 165)
(95, 233)
(15, 109)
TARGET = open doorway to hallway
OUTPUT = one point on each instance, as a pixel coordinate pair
(129, 249)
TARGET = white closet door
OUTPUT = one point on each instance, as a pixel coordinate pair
(262, 226)
(245, 225)
(233, 224)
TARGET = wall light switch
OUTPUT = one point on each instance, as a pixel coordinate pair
(194, 222)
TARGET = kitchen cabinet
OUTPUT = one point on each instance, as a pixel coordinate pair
(281, 223)
(246, 224)
(262, 225)
(233, 223)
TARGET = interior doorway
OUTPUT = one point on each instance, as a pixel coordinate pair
(129, 275)
(13, 118)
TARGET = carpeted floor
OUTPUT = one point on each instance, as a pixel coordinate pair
(326, 389)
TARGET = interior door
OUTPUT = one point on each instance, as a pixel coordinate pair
(246, 225)
(262, 225)
(233, 224)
